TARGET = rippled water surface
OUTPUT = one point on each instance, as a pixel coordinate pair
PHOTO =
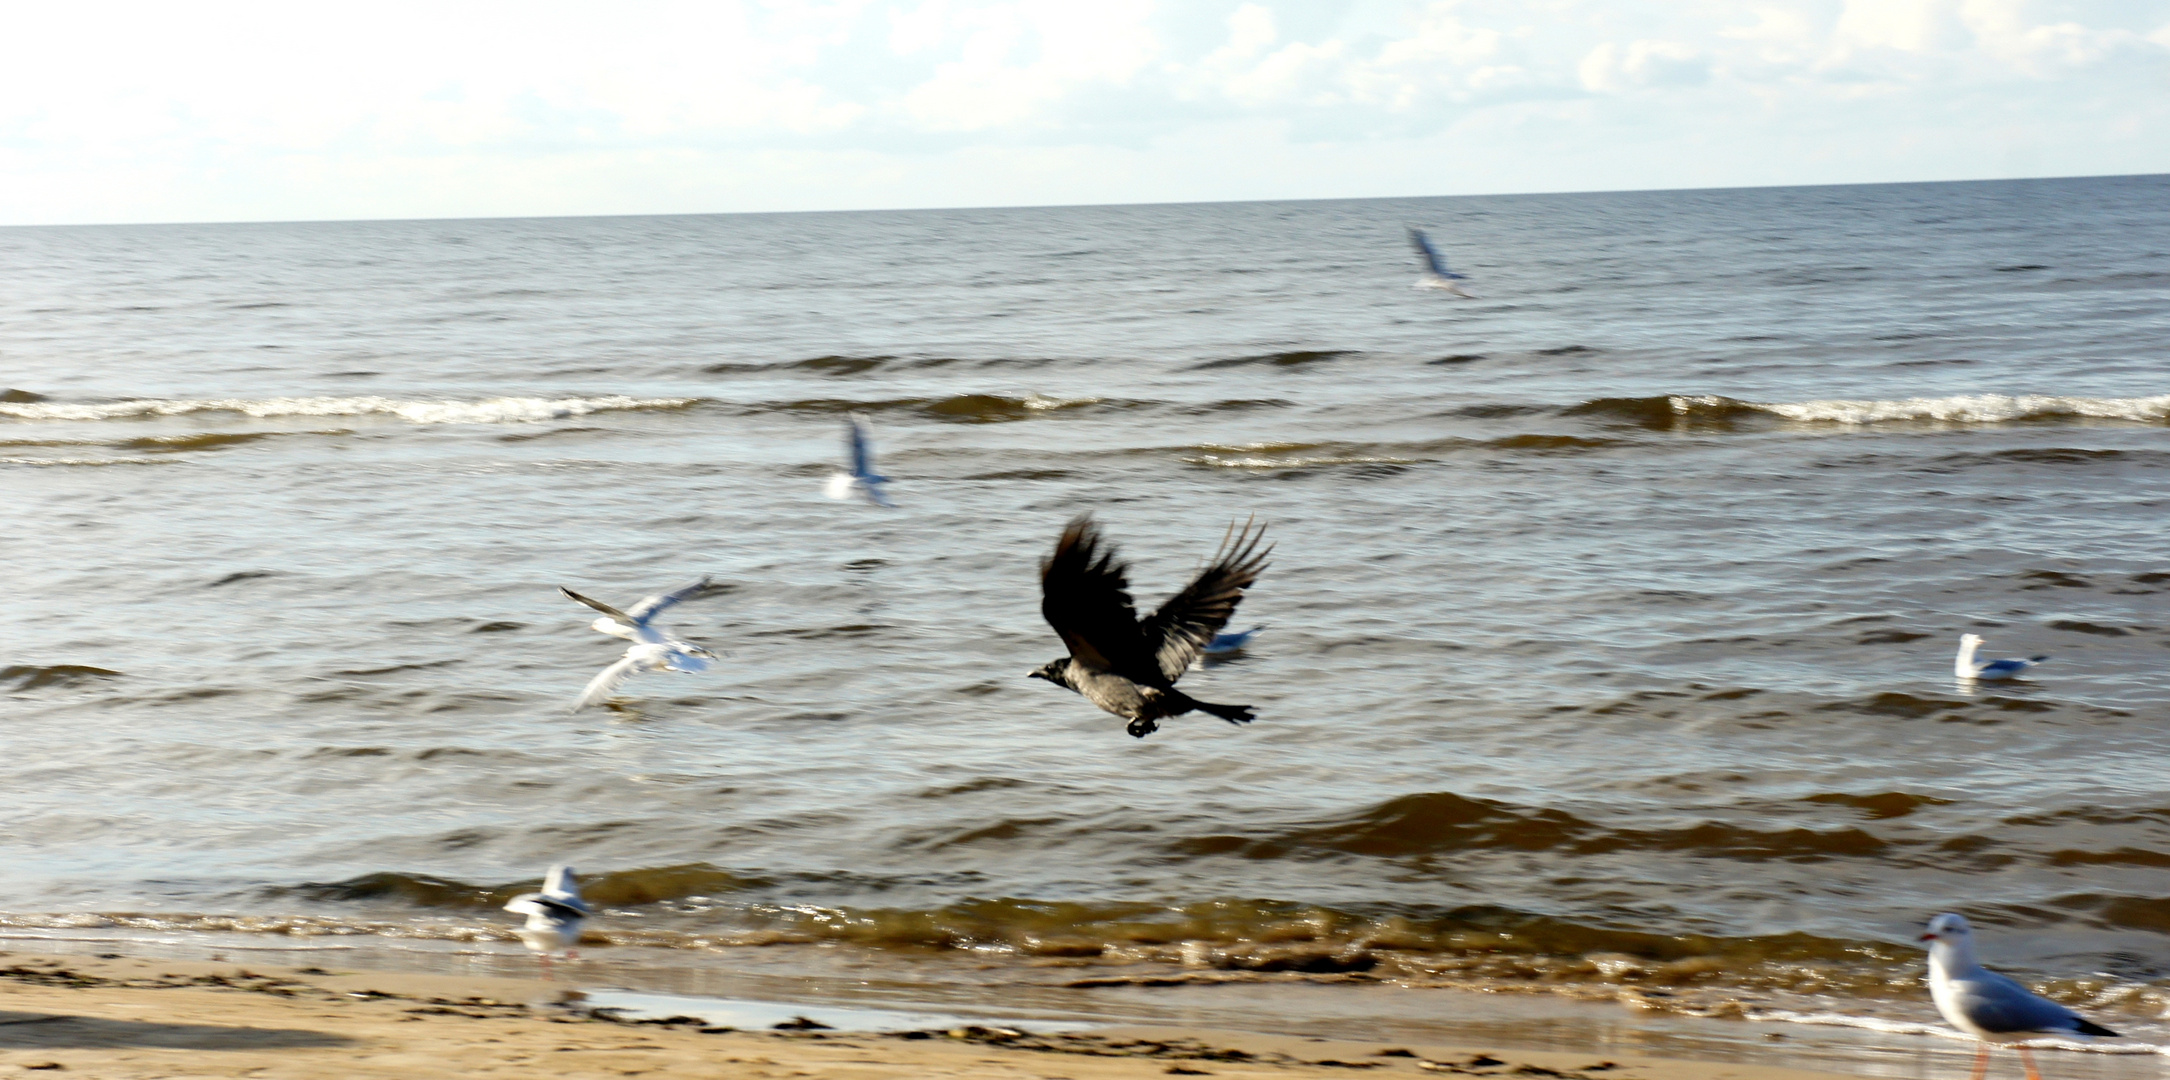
(1609, 631)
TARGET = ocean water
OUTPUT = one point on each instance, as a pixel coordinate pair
(1609, 631)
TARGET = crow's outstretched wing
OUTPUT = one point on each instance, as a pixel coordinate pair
(1085, 596)
(652, 606)
(1184, 625)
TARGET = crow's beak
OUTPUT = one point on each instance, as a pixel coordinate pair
(1035, 673)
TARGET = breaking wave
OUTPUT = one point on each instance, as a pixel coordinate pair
(503, 410)
(956, 409)
(1677, 411)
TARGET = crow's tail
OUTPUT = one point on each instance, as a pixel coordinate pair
(1234, 714)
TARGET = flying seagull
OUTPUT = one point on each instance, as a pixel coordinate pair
(1966, 667)
(1125, 666)
(1989, 1006)
(862, 480)
(1436, 275)
(1228, 643)
(553, 915)
(652, 649)
(1224, 645)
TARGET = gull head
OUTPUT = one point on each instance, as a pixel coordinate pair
(1963, 665)
(608, 625)
(1949, 927)
(696, 650)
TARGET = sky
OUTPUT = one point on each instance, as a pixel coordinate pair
(224, 111)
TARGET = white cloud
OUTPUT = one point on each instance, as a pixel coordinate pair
(1646, 64)
(121, 111)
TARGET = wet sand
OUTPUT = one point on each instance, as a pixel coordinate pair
(139, 1018)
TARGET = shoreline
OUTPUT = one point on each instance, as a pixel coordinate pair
(123, 1017)
(86, 1011)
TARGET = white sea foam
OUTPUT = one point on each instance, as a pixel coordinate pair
(1042, 401)
(504, 410)
(1963, 409)
(1907, 1027)
(85, 461)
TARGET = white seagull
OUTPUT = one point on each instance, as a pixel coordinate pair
(1436, 275)
(553, 915)
(1989, 1006)
(652, 649)
(862, 480)
(1966, 667)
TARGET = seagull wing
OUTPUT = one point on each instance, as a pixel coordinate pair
(607, 681)
(652, 606)
(2002, 1006)
(527, 904)
(862, 449)
(1085, 596)
(599, 606)
(1185, 625)
(1432, 261)
(549, 906)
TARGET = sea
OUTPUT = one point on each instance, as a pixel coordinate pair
(1608, 634)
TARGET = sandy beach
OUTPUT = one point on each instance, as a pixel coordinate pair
(141, 1018)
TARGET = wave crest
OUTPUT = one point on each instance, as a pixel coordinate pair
(503, 410)
(1674, 412)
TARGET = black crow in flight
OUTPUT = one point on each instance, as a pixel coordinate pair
(1128, 667)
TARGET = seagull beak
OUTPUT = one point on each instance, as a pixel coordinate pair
(1928, 937)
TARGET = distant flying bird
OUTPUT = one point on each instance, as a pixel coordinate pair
(553, 915)
(652, 649)
(1989, 1006)
(1966, 667)
(1436, 275)
(1125, 666)
(1223, 645)
(862, 480)
(1228, 643)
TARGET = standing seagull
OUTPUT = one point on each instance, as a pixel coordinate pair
(1966, 667)
(1436, 275)
(1128, 667)
(1989, 1006)
(652, 649)
(862, 479)
(553, 915)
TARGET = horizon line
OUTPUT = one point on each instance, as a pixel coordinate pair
(1075, 206)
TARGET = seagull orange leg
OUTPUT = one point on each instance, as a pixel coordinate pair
(1981, 1060)
(2027, 1058)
